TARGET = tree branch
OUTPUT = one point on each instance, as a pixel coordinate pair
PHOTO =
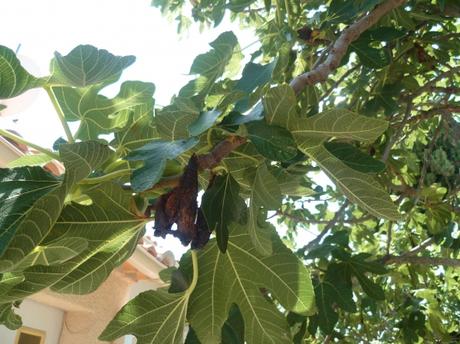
(427, 114)
(394, 138)
(340, 47)
(419, 248)
(389, 259)
(220, 151)
(313, 221)
(326, 229)
(205, 161)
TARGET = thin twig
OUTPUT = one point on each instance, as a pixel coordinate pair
(432, 82)
(429, 114)
(313, 221)
(426, 159)
(421, 260)
(389, 237)
(394, 138)
(339, 81)
(326, 229)
(419, 247)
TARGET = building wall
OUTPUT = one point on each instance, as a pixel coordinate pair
(37, 316)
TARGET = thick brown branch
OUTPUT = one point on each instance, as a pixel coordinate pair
(447, 109)
(206, 161)
(224, 148)
(421, 260)
(339, 49)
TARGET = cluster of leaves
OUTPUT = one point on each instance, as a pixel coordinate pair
(387, 118)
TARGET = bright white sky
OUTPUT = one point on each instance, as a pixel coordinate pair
(123, 27)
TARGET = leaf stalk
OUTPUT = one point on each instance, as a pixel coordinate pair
(192, 286)
(107, 177)
(60, 114)
(19, 139)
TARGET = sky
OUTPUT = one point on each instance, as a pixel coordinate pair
(123, 27)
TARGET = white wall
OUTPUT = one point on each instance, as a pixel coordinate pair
(38, 316)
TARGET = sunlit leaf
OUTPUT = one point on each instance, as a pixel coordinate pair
(86, 65)
(98, 114)
(112, 232)
(30, 160)
(174, 120)
(359, 187)
(236, 277)
(80, 159)
(152, 317)
(338, 123)
(280, 106)
(14, 79)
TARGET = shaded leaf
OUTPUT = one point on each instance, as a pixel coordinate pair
(8, 317)
(205, 121)
(341, 11)
(327, 317)
(264, 192)
(20, 189)
(354, 158)
(155, 154)
(291, 184)
(369, 56)
(370, 288)
(273, 142)
(222, 205)
(253, 76)
(233, 329)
